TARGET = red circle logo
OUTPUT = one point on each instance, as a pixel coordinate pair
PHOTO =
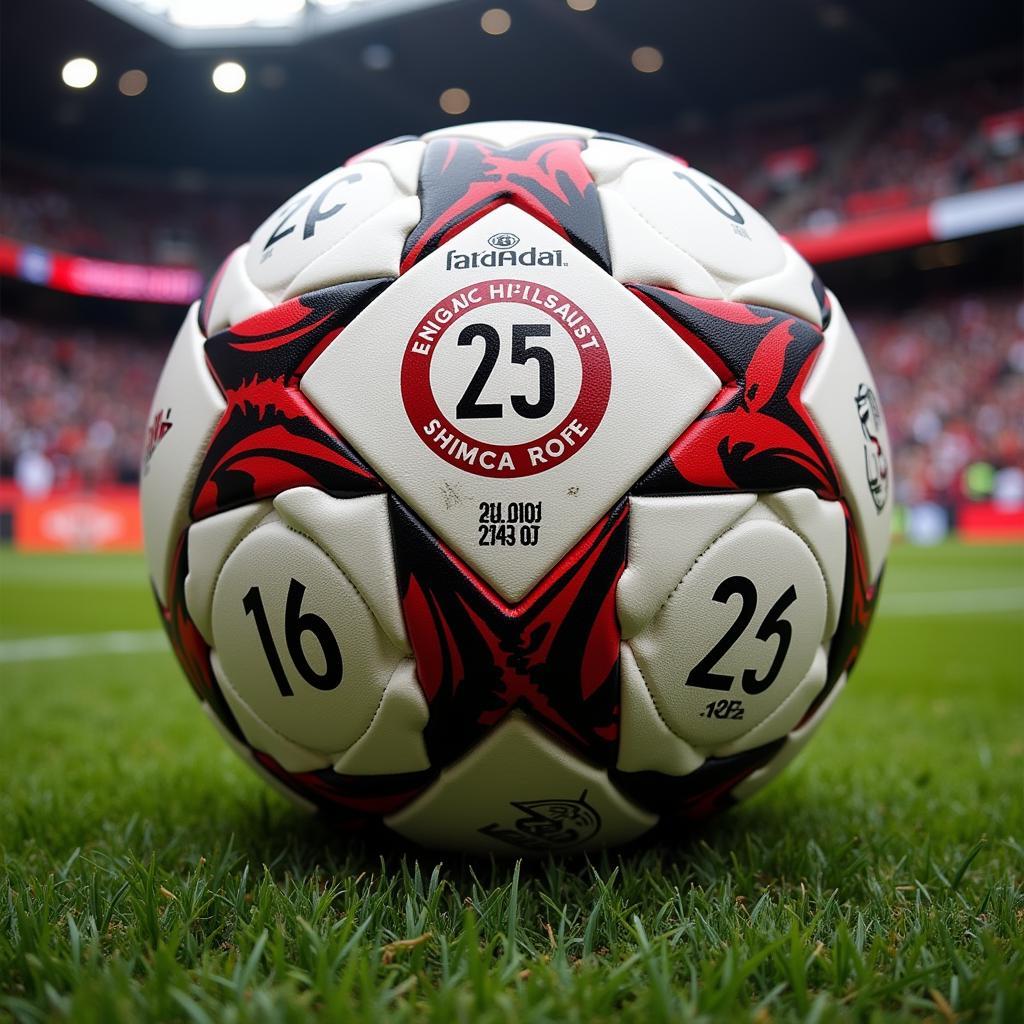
(482, 454)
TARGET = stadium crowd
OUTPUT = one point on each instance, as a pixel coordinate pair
(901, 146)
(74, 403)
(951, 380)
(153, 224)
(813, 167)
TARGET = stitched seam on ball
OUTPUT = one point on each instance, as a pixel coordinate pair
(620, 170)
(821, 572)
(224, 561)
(822, 710)
(781, 707)
(693, 565)
(715, 276)
(183, 507)
(352, 584)
(376, 712)
(226, 684)
(286, 289)
(402, 655)
(242, 252)
(788, 265)
(654, 704)
(675, 245)
(331, 756)
(736, 522)
(370, 159)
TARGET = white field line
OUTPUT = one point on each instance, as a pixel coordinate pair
(951, 602)
(909, 606)
(77, 645)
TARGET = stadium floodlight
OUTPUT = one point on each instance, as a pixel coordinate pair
(454, 101)
(229, 76)
(209, 23)
(647, 59)
(133, 82)
(79, 73)
(231, 13)
(496, 21)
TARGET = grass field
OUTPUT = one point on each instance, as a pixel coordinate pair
(146, 876)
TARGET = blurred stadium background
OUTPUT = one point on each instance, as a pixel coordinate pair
(887, 141)
(147, 876)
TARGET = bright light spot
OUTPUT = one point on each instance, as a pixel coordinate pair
(454, 101)
(232, 13)
(647, 59)
(229, 76)
(133, 82)
(79, 73)
(298, 18)
(496, 21)
(581, 5)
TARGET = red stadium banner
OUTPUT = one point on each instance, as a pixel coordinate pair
(878, 200)
(103, 521)
(860, 237)
(972, 213)
(989, 521)
(102, 278)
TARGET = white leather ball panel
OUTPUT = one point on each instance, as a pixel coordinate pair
(703, 219)
(712, 677)
(314, 221)
(282, 578)
(508, 794)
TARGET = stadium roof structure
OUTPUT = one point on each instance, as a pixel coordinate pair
(311, 98)
(194, 24)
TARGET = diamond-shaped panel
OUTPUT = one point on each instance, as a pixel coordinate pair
(510, 391)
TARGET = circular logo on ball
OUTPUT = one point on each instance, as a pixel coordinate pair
(506, 378)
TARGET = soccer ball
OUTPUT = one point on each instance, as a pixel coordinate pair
(516, 487)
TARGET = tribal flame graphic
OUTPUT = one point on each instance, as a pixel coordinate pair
(554, 655)
(463, 179)
(271, 437)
